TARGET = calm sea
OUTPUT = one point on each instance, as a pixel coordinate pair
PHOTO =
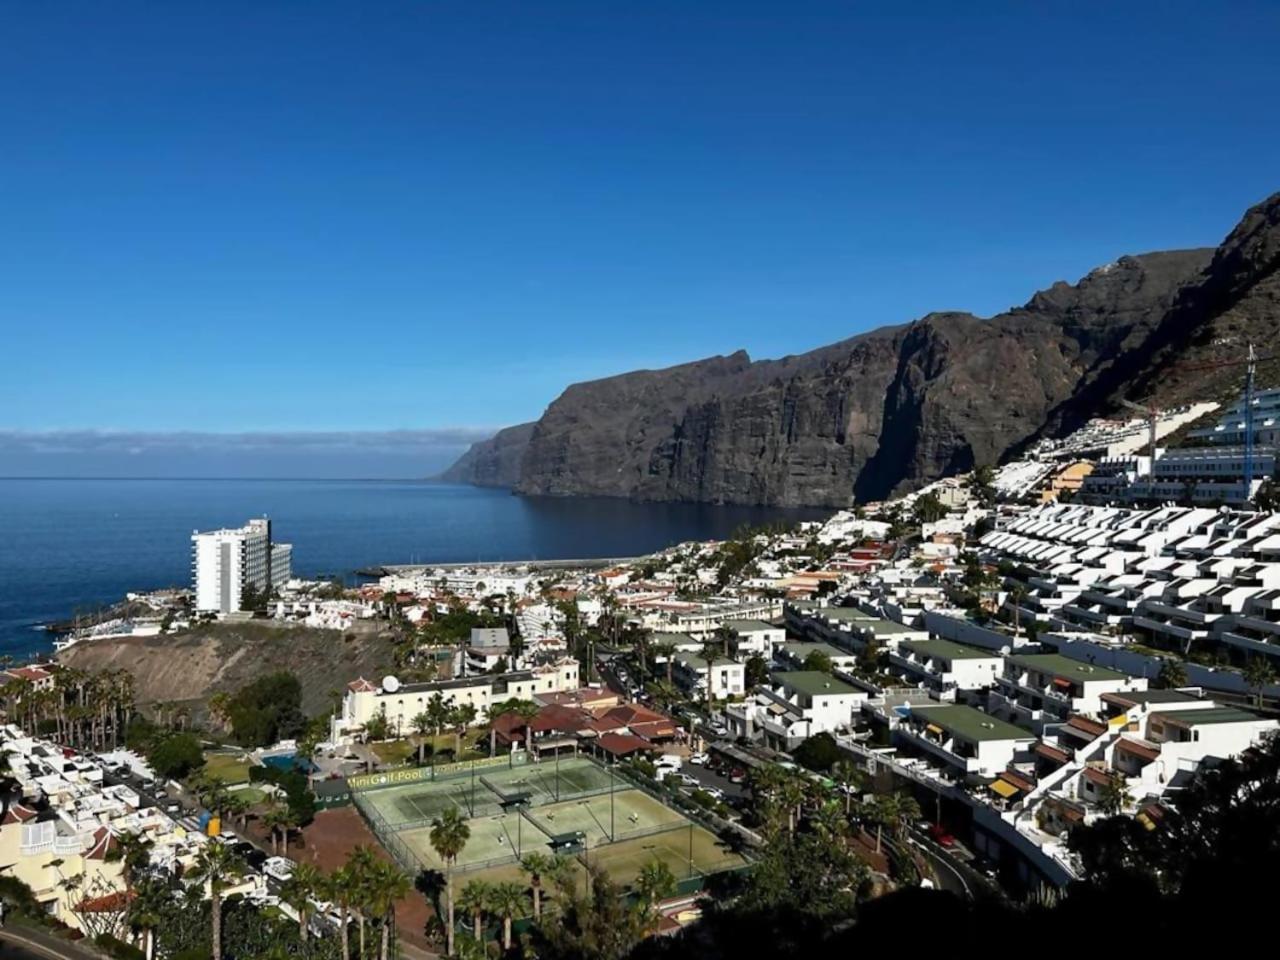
(69, 545)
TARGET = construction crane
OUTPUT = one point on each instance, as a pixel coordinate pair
(1152, 413)
(1250, 362)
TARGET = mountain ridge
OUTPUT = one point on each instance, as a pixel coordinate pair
(892, 408)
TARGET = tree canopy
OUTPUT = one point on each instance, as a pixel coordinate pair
(267, 710)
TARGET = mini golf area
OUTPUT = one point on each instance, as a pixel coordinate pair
(575, 806)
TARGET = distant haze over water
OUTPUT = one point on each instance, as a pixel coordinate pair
(68, 545)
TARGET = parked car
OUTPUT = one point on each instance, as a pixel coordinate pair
(698, 759)
(689, 781)
(737, 775)
(940, 836)
(715, 793)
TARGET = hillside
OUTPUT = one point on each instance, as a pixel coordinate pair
(894, 408)
(188, 667)
(494, 462)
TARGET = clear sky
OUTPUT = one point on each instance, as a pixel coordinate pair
(431, 216)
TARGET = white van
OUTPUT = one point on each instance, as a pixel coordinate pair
(669, 761)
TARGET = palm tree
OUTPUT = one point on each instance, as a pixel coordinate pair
(725, 636)
(135, 855)
(460, 718)
(539, 867)
(237, 806)
(883, 812)
(304, 883)
(709, 654)
(654, 883)
(1115, 795)
(438, 711)
(387, 885)
(361, 864)
(1173, 674)
(219, 867)
(421, 723)
(506, 900)
(449, 835)
(279, 821)
(792, 794)
(1259, 674)
(146, 911)
(495, 711)
(850, 777)
(1017, 593)
(474, 899)
(908, 811)
(666, 651)
(338, 887)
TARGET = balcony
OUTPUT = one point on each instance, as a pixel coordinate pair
(942, 749)
(1169, 629)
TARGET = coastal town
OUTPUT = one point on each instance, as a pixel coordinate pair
(952, 690)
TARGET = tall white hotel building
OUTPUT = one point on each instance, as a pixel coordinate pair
(225, 561)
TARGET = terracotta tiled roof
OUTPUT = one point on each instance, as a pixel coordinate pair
(622, 744)
(17, 813)
(1098, 777)
(1053, 753)
(558, 719)
(1142, 750)
(654, 730)
(110, 903)
(1019, 781)
(1085, 725)
(104, 842)
(362, 686)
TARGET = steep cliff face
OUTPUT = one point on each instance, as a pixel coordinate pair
(882, 412)
(897, 407)
(494, 462)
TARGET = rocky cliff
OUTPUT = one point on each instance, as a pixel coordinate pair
(894, 408)
(494, 462)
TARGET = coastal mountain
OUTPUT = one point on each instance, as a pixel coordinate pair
(494, 462)
(892, 409)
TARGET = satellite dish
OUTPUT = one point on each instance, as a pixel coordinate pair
(390, 684)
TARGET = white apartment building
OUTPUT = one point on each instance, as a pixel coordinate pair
(755, 637)
(703, 619)
(400, 703)
(945, 667)
(795, 653)
(226, 561)
(794, 706)
(1035, 689)
(970, 742)
(728, 677)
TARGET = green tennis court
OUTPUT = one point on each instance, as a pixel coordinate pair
(623, 827)
(423, 801)
(686, 850)
(550, 781)
(606, 816)
(497, 839)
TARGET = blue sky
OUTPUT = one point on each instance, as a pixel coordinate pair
(235, 217)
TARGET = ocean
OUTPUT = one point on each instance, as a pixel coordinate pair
(76, 545)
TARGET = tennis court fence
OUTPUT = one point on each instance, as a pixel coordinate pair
(387, 836)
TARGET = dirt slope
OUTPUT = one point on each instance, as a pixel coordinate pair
(189, 667)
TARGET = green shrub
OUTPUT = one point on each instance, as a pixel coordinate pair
(114, 947)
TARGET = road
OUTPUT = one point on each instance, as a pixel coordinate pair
(709, 778)
(949, 876)
(29, 943)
